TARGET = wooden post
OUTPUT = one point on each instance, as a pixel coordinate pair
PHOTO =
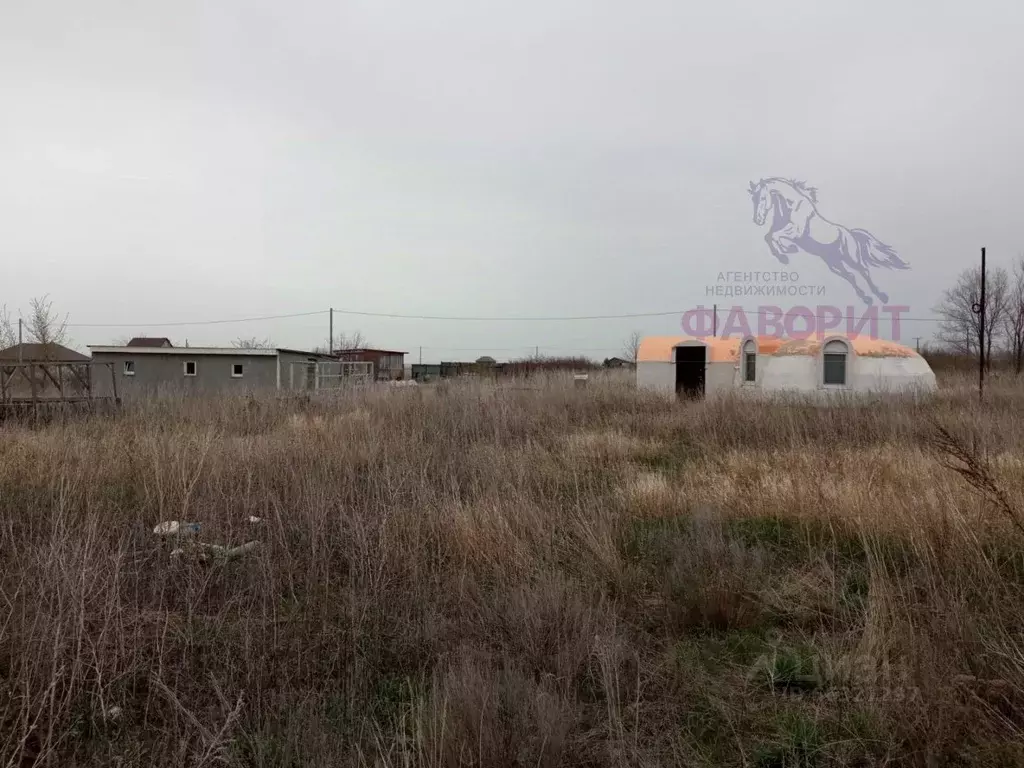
(113, 379)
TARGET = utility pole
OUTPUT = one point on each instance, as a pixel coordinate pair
(330, 348)
(979, 310)
(21, 352)
(714, 322)
(917, 344)
(536, 352)
(421, 355)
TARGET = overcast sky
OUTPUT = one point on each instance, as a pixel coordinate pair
(179, 161)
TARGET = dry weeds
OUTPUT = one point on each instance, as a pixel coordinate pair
(470, 575)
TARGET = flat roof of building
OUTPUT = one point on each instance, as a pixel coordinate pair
(189, 351)
(369, 349)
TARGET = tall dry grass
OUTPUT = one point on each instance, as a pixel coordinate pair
(534, 575)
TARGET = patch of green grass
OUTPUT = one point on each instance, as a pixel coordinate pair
(856, 587)
(718, 651)
(789, 668)
(802, 538)
(266, 749)
(707, 731)
(1006, 560)
(652, 539)
(391, 695)
(774, 533)
(799, 743)
(806, 539)
(671, 457)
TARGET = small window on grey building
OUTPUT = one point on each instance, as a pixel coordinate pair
(749, 362)
(190, 367)
(129, 367)
(237, 369)
(834, 364)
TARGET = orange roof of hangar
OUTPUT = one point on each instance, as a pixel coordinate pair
(862, 345)
(768, 345)
(658, 349)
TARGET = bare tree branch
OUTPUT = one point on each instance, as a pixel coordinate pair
(960, 326)
(352, 340)
(342, 343)
(1013, 322)
(44, 326)
(8, 336)
(253, 342)
(631, 346)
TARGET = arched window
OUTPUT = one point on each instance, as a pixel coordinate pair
(834, 364)
(749, 362)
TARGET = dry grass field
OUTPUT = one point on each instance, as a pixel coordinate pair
(464, 575)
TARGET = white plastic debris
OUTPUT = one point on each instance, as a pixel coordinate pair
(243, 549)
(176, 528)
(255, 520)
(203, 551)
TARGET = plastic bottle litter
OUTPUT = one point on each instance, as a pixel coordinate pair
(202, 551)
(176, 528)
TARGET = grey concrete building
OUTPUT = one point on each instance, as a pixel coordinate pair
(146, 371)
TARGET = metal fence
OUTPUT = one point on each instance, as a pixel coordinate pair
(328, 376)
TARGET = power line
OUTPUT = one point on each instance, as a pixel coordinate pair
(503, 319)
(529, 347)
(458, 318)
(781, 315)
(610, 316)
(197, 322)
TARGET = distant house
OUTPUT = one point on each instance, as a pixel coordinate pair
(146, 370)
(150, 341)
(618, 362)
(49, 371)
(388, 365)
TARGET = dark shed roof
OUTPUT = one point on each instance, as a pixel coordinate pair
(33, 353)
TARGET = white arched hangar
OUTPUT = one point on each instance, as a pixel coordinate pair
(693, 367)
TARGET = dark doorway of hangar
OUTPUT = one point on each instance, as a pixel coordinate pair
(690, 364)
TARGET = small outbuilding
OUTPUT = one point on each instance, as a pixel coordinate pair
(694, 367)
(388, 364)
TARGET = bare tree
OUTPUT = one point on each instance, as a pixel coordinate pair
(44, 326)
(1013, 321)
(352, 340)
(8, 337)
(631, 346)
(253, 343)
(960, 326)
(342, 343)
